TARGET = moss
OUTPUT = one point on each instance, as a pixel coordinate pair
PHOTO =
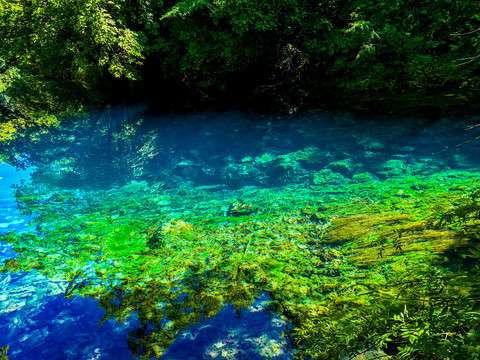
(364, 178)
(10, 265)
(394, 168)
(328, 178)
(240, 208)
(344, 167)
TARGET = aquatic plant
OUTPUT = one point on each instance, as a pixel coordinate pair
(414, 308)
(3, 353)
(415, 312)
(239, 208)
(176, 256)
(467, 210)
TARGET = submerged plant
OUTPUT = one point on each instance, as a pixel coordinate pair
(460, 214)
(315, 255)
(3, 353)
(415, 308)
(417, 313)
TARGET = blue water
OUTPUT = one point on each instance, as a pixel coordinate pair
(38, 322)
(10, 216)
(228, 151)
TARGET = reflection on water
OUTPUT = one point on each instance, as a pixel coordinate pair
(10, 218)
(178, 221)
(236, 150)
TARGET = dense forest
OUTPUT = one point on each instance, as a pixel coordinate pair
(57, 56)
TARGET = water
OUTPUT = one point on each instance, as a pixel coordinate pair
(210, 235)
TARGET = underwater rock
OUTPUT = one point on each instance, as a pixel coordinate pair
(403, 149)
(364, 177)
(287, 162)
(394, 168)
(238, 174)
(309, 158)
(369, 142)
(425, 166)
(187, 170)
(265, 160)
(462, 161)
(19, 290)
(247, 159)
(368, 155)
(344, 167)
(253, 333)
(197, 172)
(313, 213)
(269, 348)
(239, 208)
(51, 327)
(327, 177)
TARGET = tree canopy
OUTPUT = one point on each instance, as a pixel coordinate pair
(66, 52)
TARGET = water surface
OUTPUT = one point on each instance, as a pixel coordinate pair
(209, 235)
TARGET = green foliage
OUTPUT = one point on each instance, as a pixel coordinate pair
(213, 48)
(417, 312)
(3, 353)
(74, 39)
(62, 52)
(460, 214)
(413, 310)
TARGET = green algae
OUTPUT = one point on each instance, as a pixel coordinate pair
(318, 256)
(342, 254)
(3, 353)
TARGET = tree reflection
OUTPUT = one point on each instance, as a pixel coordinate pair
(100, 149)
(162, 314)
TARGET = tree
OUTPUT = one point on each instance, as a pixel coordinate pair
(62, 46)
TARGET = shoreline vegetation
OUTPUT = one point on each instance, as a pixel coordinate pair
(58, 57)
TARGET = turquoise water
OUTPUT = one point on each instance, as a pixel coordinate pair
(125, 208)
(38, 322)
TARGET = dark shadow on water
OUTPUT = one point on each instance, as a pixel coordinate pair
(56, 328)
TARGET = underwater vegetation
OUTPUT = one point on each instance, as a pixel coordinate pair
(3, 353)
(359, 259)
(349, 275)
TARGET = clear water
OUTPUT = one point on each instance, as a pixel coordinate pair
(106, 194)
